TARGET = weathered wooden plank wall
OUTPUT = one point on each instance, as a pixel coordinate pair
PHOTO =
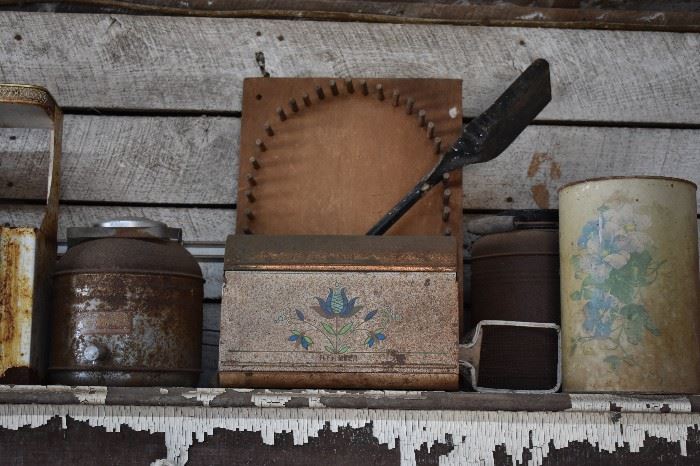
(197, 64)
(668, 15)
(125, 160)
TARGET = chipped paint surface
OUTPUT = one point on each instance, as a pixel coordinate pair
(204, 395)
(475, 435)
(83, 395)
(623, 403)
(269, 399)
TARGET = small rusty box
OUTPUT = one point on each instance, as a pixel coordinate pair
(340, 312)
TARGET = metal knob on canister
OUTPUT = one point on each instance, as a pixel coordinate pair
(127, 307)
(629, 289)
(515, 283)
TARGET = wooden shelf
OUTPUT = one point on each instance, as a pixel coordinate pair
(346, 399)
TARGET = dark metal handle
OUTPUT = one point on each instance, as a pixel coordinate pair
(485, 137)
(399, 209)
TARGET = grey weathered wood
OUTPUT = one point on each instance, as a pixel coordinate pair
(199, 225)
(184, 160)
(660, 15)
(212, 317)
(544, 158)
(140, 62)
(177, 160)
(213, 271)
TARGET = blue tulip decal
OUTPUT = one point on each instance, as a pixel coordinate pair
(337, 305)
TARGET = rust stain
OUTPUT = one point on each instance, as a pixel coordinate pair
(539, 158)
(554, 170)
(540, 193)
(15, 290)
(535, 163)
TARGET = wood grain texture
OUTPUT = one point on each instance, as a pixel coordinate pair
(193, 160)
(544, 158)
(140, 62)
(199, 225)
(658, 16)
(184, 160)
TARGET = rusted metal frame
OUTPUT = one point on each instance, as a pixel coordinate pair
(503, 15)
(28, 254)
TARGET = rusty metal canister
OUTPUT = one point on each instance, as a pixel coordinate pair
(127, 307)
(629, 290)
(515, 277)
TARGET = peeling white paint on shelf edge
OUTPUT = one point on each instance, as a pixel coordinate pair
(268, 399)
(475, 434)
(93, 395)
(629, 403)
(204, 395)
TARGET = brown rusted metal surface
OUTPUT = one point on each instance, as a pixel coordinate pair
(16, 299)
(515, 277)
(387, 326)
(127, 312)
(330, 253)
(28, 254)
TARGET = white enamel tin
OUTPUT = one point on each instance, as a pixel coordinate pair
(629, 285)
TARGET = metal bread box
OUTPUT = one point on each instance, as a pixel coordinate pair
(340, 312)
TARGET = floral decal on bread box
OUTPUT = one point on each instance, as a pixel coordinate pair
(337, 323)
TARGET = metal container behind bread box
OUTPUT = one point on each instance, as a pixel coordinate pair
(127, 307)
(28, 253)
(515, 277)
(340, 312)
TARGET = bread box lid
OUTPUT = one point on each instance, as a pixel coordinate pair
(341, 253)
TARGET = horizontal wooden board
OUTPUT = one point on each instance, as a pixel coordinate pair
(664, 16)
(127, 159)
(199, 225)
(544, 158)
(197, 64)
(621, 404)
(193, 160)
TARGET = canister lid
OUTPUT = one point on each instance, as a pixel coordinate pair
(628, 178)
(341, 253)
(517, 243)
(124, 227)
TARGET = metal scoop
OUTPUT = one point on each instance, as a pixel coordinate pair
(485, 137)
